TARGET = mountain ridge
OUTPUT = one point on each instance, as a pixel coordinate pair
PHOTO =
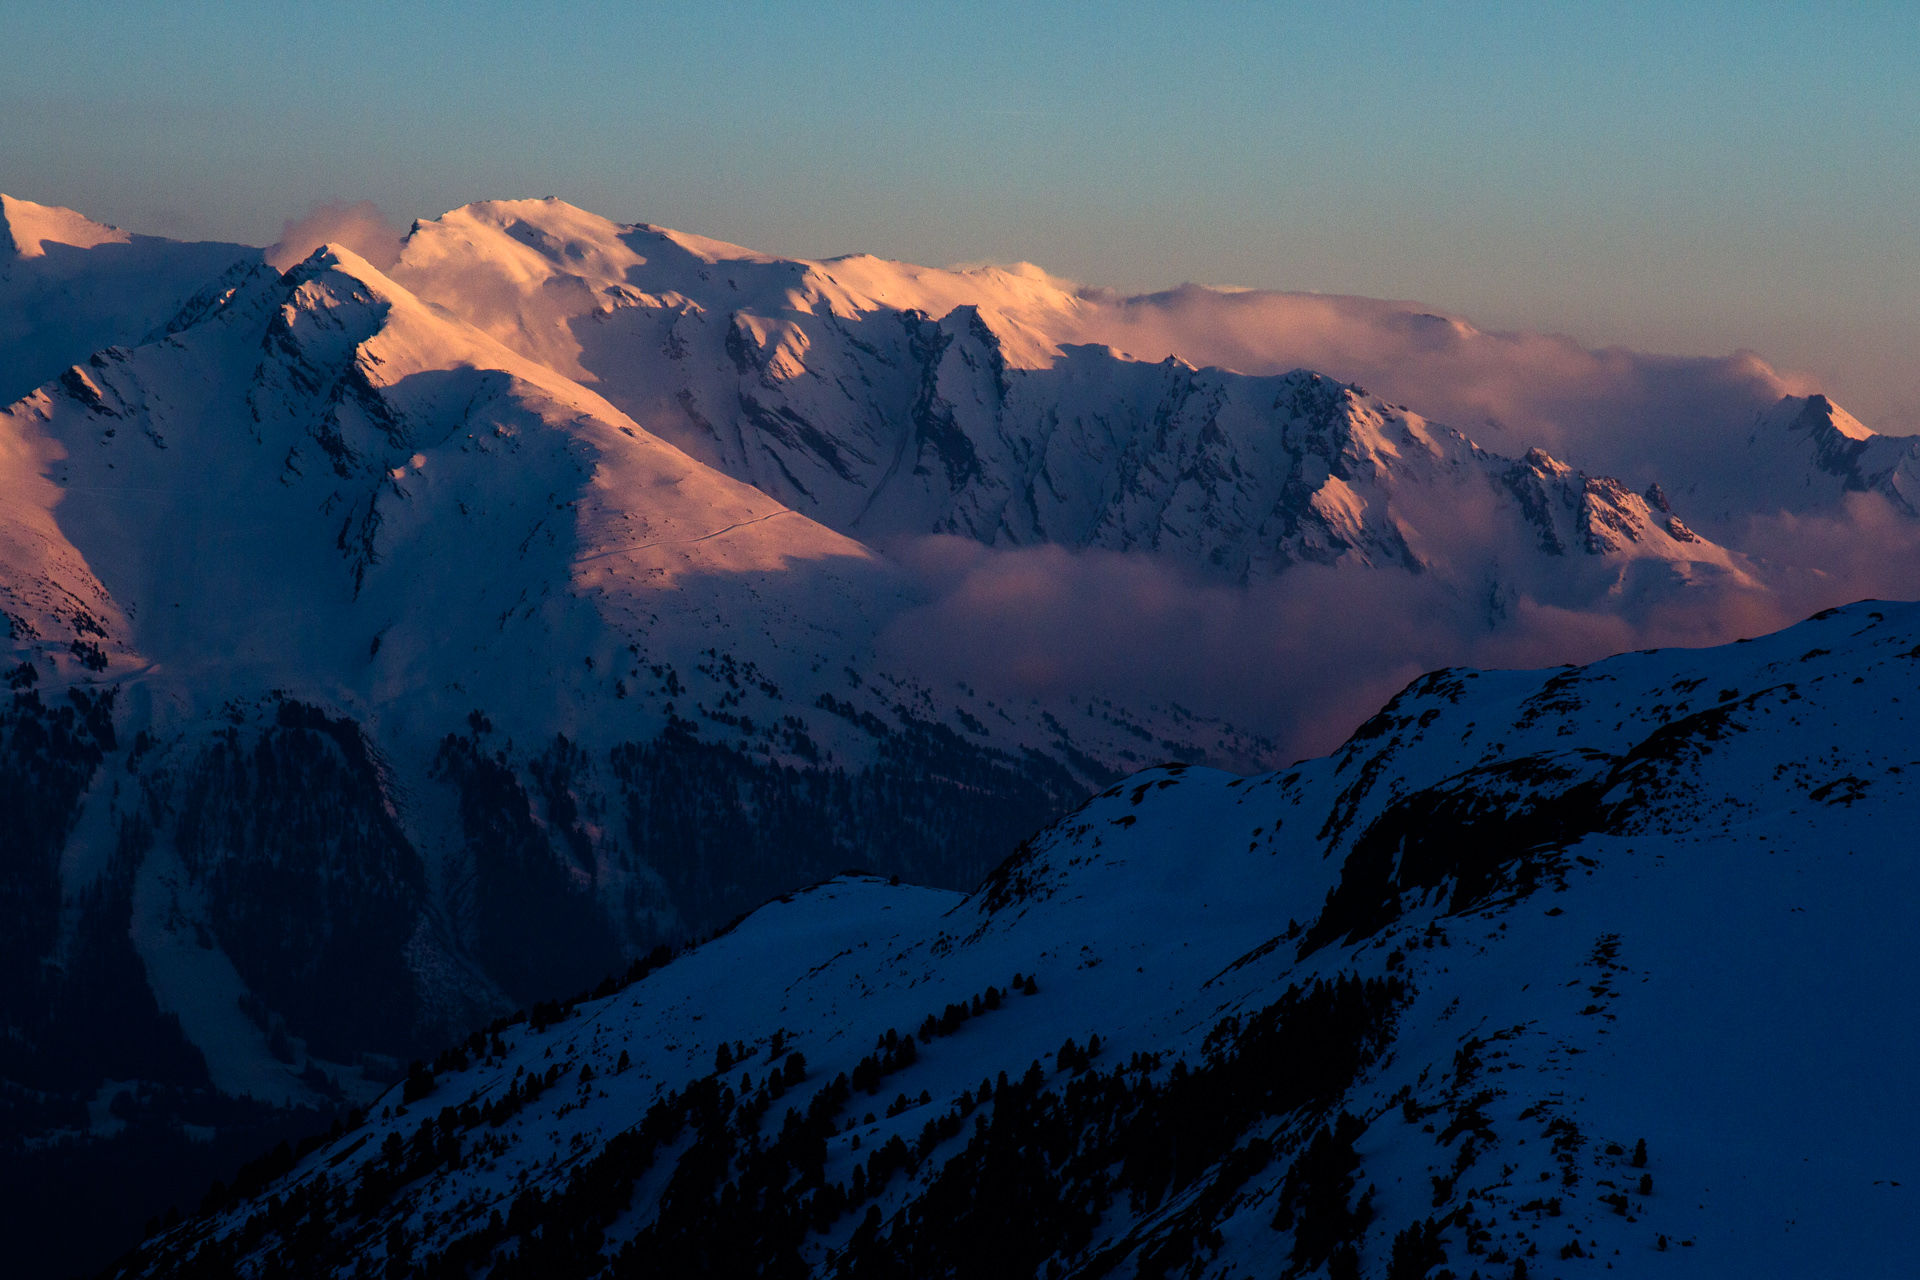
(958, 444)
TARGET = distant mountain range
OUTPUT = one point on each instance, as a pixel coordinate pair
(1542, 972)
(394, 648)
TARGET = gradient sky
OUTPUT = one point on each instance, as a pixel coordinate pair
(1692, 178)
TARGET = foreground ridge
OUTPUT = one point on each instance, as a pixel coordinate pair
(1540, 970)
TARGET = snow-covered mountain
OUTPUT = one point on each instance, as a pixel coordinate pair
(388, 649)
(1806, 454)
(347, 457)
(888, 400)
(1543, 972)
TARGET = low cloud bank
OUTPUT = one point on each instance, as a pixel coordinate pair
(1305, 658)
(1863, 550)
(359, 226)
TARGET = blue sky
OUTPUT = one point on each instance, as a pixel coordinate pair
(1686, 178)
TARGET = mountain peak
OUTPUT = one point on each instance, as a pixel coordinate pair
(549, 213)
(331, 258)
(1544, 463)
(27, 228)
(1819, 412)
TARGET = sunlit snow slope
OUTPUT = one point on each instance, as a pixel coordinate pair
(1543, 973)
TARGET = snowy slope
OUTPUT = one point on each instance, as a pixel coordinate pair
(1657, 899)
(70, 286)
(381, 467)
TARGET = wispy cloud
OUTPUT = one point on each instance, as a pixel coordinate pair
(1306, 657)
(359, 226)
